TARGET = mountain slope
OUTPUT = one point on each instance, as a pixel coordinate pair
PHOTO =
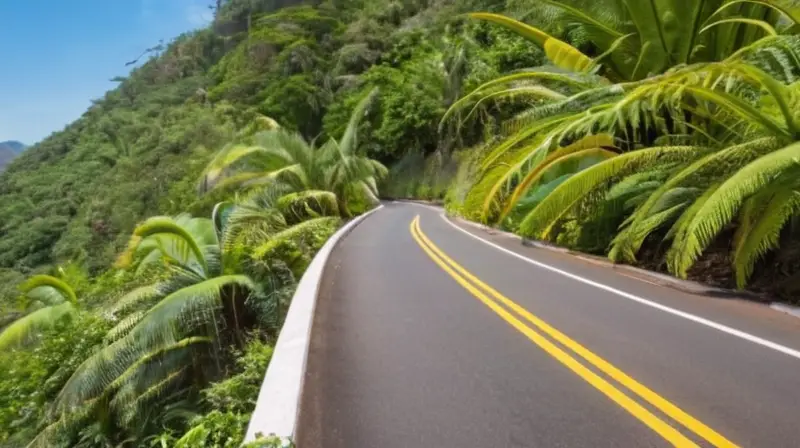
(8, 151)
(138, 151)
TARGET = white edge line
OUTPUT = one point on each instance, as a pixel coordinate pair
(694, 318)
(278, 402)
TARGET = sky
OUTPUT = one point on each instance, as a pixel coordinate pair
(58, 55)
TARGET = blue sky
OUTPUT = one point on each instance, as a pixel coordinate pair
(57, 55)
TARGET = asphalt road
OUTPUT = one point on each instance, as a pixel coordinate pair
(428, 337)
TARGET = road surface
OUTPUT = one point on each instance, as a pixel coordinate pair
(434, 334)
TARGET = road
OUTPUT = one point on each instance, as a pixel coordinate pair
(434, 334)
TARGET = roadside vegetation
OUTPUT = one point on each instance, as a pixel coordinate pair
(149, 251)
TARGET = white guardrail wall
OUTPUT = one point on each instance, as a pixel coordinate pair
(278, 402)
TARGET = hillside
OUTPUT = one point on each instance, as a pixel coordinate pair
(139, 150)
(384, 71)
(8, 151)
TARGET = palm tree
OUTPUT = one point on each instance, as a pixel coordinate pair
(47, 301)
(168, 332)
(283, 157)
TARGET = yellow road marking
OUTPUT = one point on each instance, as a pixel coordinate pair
(620, 398)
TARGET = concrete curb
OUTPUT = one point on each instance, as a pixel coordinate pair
(278, 402)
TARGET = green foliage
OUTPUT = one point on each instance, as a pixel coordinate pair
(294, 247)
(641, 129)
(690, 99)
(35, 376)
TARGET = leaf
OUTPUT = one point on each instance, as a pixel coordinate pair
(176, 316)
(485, 89)
(543, 218)
(741, 108)
(720, 207)
(349, 142)
(759, 23)
(46, 286)
(702, 172)
(786, 12)
(559, 52)
(164, 226)
(586, 147)
(24, 329)
(297, 207)
(765, 234)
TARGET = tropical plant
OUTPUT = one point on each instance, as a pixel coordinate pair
(634, 40)
(283, 157)
(46, 300)
(167, 333)
(590, 152)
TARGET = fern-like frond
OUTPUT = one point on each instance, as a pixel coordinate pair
(764, 234)
(594, 144)
(721, 207)
(701, 173)
(298, 207)
(540, 222)
(176, 316)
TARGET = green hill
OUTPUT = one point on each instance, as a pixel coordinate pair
(8, 151)
(138, 151)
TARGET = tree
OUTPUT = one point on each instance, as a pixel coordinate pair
(286, 158)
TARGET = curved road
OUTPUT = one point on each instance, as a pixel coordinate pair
(433, 334)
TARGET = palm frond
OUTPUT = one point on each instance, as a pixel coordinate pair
(229, 156)
(124, 326)
(172, 319)
(593, 143)
(48, 289)
(543, 218)
(177, 236)
(298, 207)
(559, 52)
(701, 174)
(568, 79)
(349, 141)
(788, 13)
(764, 234)
(309, 231)
(24, 329)
(720, 207)
(754, 22)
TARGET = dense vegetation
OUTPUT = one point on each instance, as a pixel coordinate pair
(148, 252)
(662, 133)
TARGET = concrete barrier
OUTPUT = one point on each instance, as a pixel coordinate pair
(278, 402)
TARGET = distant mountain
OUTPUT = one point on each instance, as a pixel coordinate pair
(8, 151)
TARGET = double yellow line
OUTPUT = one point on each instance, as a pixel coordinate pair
(538, 332)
